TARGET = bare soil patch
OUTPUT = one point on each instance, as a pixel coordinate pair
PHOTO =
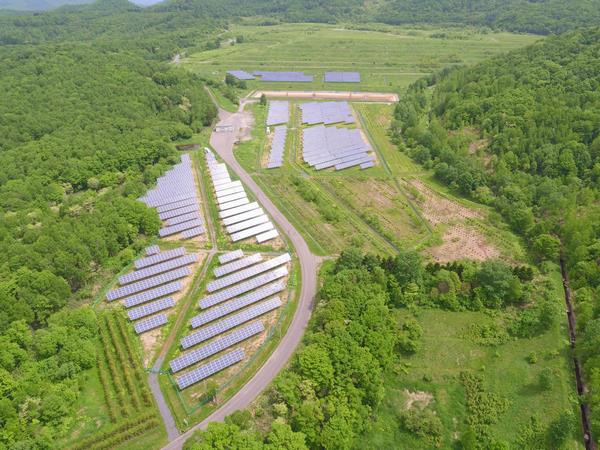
(439, 210)
(463, 242)
(417, 399)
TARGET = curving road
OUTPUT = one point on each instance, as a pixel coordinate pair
(223, 143)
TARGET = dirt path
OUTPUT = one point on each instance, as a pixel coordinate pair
(331, 95)
(223, 143)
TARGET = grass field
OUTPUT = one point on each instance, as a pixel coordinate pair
(388, 60)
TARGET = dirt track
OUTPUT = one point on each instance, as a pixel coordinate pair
(331, 95)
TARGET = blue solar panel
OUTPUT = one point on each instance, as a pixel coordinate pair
(210, 368)
(214, 347)
(158, 268)
(150, 323)
(152, 294)
(241, 74)
(150, 308)
(342, 77)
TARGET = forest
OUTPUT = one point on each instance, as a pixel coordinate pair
(329, 395)
(521, 133)
(84, 131)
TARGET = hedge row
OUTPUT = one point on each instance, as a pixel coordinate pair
(108, 394)
(114, 371)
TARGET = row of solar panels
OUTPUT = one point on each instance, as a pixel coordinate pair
(277, 147)
(219, 325)
(147, 288)
(242, 219)
(176, 201)
(325, 147)
(329, 77)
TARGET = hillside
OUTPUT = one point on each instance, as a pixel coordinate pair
(38, 5)
(521, 132)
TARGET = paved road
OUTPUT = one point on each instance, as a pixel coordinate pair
(223, 142)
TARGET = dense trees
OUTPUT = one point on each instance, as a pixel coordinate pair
(85, 130)
(521, 133)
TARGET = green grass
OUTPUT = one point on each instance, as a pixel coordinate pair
(388, 60)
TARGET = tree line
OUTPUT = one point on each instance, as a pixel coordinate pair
(521, 133)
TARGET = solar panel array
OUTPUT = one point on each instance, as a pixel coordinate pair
(279, 112)
(210, 368)
(152, 250)
(152, 294)
(341, 148)
(277, 147)
(183, 218)
(134, 288)
(234, 305)
(150, 308)
(159, 257)
(341, 77)
(158, 268)
(231, 256)
(238, 264)
(267, 236)
(241, 74)
(176, 195)
(150, 323)
(233, 202)
(192, 357)
(247, 273)
(230, 322)
(242, 288)
(326, 112)
(293, 77)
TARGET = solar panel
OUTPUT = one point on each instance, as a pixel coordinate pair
(238, 264)
(227, 308)
(210, 368)
(247, 224)
(234, 204)
(193, 232)
(247, 273)
(279, 112)
(238, 210)
(173, 229)
(221, 181)
(241, 74)
(326, 112)
(230, 256)
(152, 294)
(212, 348)
(158, 268)
(159, 257)
(152, 250)
(150, 308)
(264, 237)
(297, 77)
(249, 232)
(179, 211)
(342, 77)
(230, 198)
(176, 205)
(366, 165)
(242, 288)
(150, 323)
(183, 218)
(148, 283)
(230, 185)
(226, 192)
(243, 216)
(231, 322)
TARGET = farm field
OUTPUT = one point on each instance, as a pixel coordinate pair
(388, 60)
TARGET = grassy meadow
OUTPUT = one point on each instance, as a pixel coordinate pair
(388, 60)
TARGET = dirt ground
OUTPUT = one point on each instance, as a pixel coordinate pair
(463, 242)
(459, 240)
(331, 95)
(419, 399)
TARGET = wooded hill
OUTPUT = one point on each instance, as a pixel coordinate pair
(521, 132)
